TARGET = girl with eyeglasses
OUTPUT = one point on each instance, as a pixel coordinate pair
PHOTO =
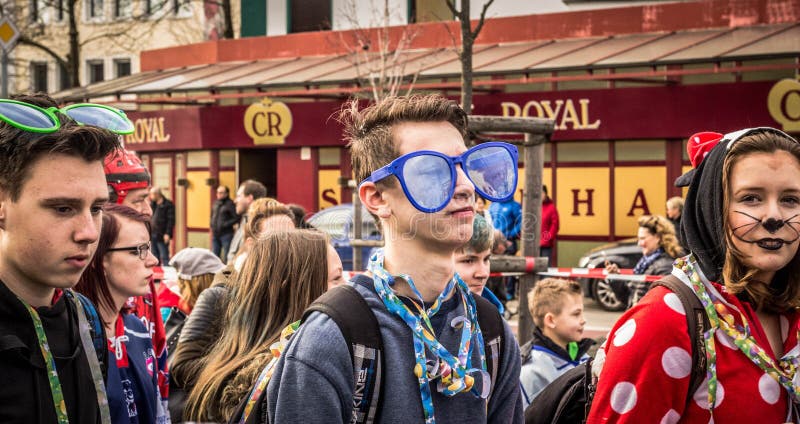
(741, 222)
(122, 267)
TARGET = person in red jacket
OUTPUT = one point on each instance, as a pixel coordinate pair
(549, 226)
(742, 228)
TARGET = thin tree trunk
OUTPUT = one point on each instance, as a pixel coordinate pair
(74, 56)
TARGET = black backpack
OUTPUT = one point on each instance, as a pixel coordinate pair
(568, 398)
(345, 305)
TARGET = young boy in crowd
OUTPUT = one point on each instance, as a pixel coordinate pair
(52, 192)
(425, 217)
(473, 261)
(556, 306)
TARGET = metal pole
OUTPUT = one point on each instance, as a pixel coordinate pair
(531, 227)
(357, 220)
(4, 75)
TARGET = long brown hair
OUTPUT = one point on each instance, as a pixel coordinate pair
(283, 274)
(783, 293)
(92, 283)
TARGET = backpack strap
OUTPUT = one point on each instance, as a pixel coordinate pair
(97, 331)
(491, 324)
(348, 309)
(525, 351)
(698, 324)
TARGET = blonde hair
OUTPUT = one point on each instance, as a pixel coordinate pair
(782, 294)
(260, 210)
(283, 274)
(676, 202)
(191, 289)
(548, 297)
(660, 226)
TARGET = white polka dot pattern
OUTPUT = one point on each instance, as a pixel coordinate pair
(769, 389)
(701, 395)
(674, 302)
(724, 340)
(671, 417)
(676, 362)
(623, 397)
(625, 333)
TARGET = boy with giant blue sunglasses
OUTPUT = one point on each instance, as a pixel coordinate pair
(52, 190)
(419, 180)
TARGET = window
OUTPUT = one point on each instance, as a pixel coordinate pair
(181, 7)
(39, 76)
(309, 15)
(122, 8)
(58, 5)
(428, 11)
(64, 78)
(33, 16)
(122, 67)
(95, 70)
(94, 8)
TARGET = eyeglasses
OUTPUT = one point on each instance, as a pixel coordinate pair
(428, 178)
(33, 118)
(141, 250)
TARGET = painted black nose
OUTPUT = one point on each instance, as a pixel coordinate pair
(772, 225)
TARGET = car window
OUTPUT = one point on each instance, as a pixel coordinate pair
(333, 221)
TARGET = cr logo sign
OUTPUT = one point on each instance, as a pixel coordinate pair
(783, 103)
(268, 122)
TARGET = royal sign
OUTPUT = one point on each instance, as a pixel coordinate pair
(567, 113)
(148, 130)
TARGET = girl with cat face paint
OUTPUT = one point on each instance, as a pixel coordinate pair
(741, 222)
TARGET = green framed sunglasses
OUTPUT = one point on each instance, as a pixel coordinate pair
(32, 118)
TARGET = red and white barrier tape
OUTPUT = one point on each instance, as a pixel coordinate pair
(598, 274)
(624, 274)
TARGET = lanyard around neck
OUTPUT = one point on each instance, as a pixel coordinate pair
(52, 373)
(721, 317)
(454, 373)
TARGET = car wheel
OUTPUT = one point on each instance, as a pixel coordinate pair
(604, 295)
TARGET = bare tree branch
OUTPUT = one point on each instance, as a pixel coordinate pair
(24, 39)
(481, 20)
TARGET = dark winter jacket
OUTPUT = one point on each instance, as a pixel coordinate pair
(201, 330)
(223, 217)
(25, 395)
(163, 219)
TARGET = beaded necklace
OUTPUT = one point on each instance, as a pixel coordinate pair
(721, 317)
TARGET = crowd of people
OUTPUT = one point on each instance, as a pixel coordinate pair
(264, 328)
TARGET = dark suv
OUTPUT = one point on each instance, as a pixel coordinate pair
(625, 253)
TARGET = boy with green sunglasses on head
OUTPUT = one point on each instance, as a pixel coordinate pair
(52, 191)
(419, 180)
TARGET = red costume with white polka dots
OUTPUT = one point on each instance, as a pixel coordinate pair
(645, 378)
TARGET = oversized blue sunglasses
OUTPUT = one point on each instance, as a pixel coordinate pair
(428, 178)
(32, 118)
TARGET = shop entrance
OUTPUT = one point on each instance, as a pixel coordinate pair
(260, 165)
